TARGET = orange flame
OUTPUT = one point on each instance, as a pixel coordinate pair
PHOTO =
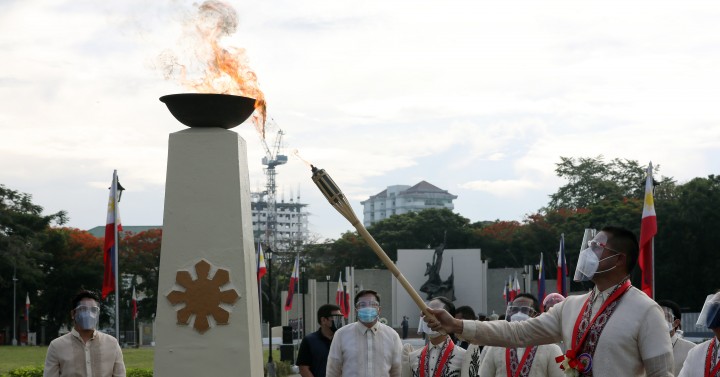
(223, 70)
(296, 153)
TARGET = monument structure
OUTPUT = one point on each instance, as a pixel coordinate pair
(207, 321)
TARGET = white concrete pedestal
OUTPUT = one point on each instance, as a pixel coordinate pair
(207, 319)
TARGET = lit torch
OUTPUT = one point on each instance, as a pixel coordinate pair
(337, 199)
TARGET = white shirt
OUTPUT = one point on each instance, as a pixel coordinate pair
(681, 347)
(454, 361)
(472, 360)
(634, 342)
(359, 351)
(544, 364)
(695, 361)
(69, 356)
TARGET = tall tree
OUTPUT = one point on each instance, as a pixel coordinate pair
(23, 231)
(592, 180)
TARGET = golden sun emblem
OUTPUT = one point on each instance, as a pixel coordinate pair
(202, 297)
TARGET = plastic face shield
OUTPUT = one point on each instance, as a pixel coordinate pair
(668, 314)
(337, 320)
(512, 309)
(94, 310)
(367, 304)
(710, 314)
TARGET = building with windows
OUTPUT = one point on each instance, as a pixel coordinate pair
(288, 231)
(400, 199)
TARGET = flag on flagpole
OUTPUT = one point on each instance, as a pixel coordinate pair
(112, 226)
(541, 280)
(341, 298)
(648, 230)
(27, 306)
(261, 267)
(511, 289)
(505, 294)
(516, 286)
(134, 305)
(293, 282)
(562, 268)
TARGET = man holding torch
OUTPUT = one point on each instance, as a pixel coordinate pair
(615, 330)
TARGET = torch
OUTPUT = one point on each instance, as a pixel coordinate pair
(337, 199)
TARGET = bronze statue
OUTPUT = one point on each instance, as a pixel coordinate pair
(434, 286)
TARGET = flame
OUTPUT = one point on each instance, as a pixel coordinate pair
(296, 153)
(223, 70)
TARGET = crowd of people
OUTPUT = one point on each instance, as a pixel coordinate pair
(614, 330)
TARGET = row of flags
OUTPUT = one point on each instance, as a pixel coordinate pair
(342, 298)
(648, 230)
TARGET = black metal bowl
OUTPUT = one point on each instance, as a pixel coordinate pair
(209, 110)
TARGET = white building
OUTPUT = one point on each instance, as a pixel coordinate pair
(291, 223)
(399, 199)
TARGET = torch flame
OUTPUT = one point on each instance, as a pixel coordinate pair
(224, 70)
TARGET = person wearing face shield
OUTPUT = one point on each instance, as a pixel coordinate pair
(314, 348)
(704, 359)
(680, 346)
(366, 348)
(84, 351)
(440, 356)
(520, 361)
(613, 330)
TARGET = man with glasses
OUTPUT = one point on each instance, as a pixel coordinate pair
(440, 357)
(680, 346)
(366, 348)
(614, 330)
(314, 348)
(84, 351)
(521, 361)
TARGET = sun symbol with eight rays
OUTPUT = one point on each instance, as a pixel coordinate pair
(202, 296)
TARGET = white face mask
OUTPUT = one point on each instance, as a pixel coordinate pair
(517, 317)
(424, 328)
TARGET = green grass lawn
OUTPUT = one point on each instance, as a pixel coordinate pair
(15, 357)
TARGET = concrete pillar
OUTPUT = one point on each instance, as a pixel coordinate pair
(207, 319)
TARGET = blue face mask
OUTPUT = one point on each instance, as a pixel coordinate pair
(367, 315)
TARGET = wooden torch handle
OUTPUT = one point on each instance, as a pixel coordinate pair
(393, 268)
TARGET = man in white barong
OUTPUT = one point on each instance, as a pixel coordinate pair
(440, 357)
(615, 330)
(533, 361)
(702, 361)
(680, 346)
(366, 348)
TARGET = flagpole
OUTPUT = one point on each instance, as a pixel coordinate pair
(652, 252)
(117, 252)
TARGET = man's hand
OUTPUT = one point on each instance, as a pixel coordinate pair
(444, 322)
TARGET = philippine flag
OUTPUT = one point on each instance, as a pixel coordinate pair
(109, 248)
(134, 305)
(261, 268)
(562, 268)
(293, 282)
(648, 230)
(342, 299)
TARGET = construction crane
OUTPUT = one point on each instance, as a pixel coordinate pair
(272, 159)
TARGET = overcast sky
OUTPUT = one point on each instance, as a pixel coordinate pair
(480, 98)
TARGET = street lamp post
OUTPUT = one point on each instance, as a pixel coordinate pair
(302, 276)
(14, 339)
(270, 364)
(327, 277)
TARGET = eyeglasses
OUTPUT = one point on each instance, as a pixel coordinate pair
(367, 304)
(91, 309)
(598, 247)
